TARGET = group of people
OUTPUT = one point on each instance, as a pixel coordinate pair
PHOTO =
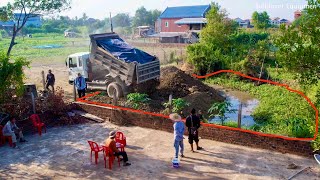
(80, 83)
(193, 124)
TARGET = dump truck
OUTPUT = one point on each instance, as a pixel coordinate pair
(113, 65)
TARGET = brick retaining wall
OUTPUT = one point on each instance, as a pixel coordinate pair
(206, 131)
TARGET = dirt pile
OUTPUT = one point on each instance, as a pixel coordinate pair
(176, 82)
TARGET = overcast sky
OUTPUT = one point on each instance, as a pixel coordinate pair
(236, 8)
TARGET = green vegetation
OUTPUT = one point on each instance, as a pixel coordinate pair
(137, 99)
(224, 46)
(28, 9)
(25, 47)
(11, 77)
(220, 109)
(278, 109)
(177, 105)
(260, 20)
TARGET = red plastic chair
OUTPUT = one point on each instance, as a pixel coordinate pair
(120, 138)
(38, 125)
(4, 138)
(96, 149)
(107, 152)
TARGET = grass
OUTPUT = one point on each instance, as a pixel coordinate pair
(25, 47)
(278, 107)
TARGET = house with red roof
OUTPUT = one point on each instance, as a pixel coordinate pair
(181, 24)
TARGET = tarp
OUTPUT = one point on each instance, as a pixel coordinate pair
(122, 50)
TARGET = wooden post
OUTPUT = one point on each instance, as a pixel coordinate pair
(74, 91)
(43, 80)
(239, 115)
(170, 103)
(33, 102)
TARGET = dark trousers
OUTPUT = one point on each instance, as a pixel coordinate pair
(123, 154)
(50, 84)
(81, 92)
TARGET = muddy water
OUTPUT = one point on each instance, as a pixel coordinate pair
(234, 97)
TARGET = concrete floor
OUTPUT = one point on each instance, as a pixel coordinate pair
(63, 153)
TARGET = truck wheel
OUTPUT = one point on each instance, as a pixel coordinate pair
(114, 88)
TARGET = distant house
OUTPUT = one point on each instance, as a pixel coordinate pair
(181, 24)
(275, 21)
(284, 21)
(35, 21)
(243, 23)
(297, 14)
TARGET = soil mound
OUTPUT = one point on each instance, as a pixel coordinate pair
(176, 82)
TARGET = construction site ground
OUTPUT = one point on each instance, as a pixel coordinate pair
(63, 153)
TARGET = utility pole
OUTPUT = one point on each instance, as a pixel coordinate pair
(111, 25)
(239, 115)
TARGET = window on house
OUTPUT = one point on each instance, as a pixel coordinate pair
(167, 24)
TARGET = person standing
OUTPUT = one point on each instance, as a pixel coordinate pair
(178, 127)
(193, 124)
(50, 80)
(11, 129)
(80, 83)
(111, 143)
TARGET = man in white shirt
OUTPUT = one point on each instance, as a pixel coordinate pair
(11, 129)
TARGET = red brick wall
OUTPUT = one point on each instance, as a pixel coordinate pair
(207, 132)
(172, 26)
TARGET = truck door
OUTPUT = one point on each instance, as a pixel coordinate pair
(74, 68)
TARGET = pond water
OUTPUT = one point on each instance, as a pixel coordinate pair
(249, 103)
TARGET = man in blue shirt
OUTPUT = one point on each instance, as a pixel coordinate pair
(178, 127)
(80, 83)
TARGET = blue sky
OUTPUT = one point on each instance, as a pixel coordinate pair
(236, 8)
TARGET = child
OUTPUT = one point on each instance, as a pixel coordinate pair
(178, 134)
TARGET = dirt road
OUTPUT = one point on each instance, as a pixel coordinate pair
(60, 71)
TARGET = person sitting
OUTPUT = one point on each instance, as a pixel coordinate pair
(111, 143)
(11, 129)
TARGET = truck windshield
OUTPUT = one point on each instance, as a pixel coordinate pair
(72, 62)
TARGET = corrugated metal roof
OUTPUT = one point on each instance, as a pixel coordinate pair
(192, 21)
(185, 12)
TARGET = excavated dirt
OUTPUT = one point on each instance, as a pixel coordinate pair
(176, 82)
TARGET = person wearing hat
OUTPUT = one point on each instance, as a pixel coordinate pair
(111, 143)
(178, 127)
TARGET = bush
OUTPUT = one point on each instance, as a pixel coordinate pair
(177, 105)
(11, 77)
(137, 99)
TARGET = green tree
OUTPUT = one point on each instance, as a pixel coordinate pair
(121, 20)
(299, 48)
(29, 9)
(11, 76)
(214, 50)
(261, 20)
(143, 17)
(220, 109)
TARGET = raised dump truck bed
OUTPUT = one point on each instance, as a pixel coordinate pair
(114, 65)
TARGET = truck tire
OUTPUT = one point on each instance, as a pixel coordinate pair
(114, 88)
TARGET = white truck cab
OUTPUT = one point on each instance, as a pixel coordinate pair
(77, 63)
